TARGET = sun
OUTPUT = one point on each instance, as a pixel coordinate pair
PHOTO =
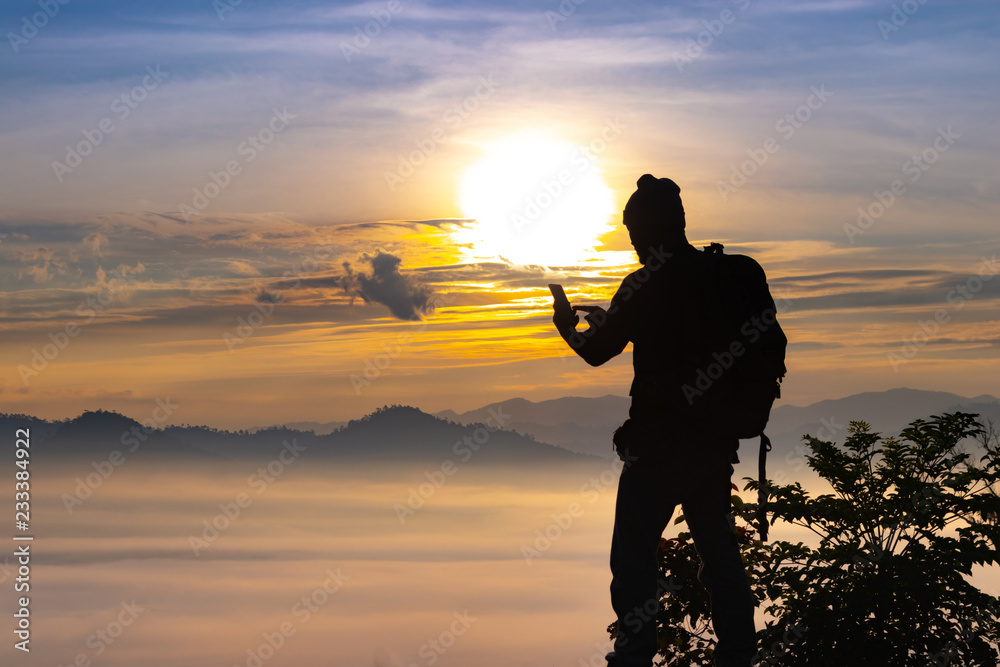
(535, 201)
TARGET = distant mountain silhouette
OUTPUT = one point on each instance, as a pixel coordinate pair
(390, 434)
(567, 429)
(404, 432)
(586, 424)
(319, 428)
(38, 427)
(887, 411)
(95, 434)
(570, 409)
(583, 425)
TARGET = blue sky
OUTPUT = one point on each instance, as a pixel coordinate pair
(226, 76)
(347, 120)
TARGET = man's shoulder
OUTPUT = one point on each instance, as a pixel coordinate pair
(734, 266)
(634, 289)
(744, 267)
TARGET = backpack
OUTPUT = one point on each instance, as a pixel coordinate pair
(739, 353)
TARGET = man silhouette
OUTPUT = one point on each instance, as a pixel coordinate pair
(670, 458)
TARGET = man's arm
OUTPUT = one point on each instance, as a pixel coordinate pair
(606, 338)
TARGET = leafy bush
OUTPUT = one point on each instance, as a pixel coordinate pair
(907, 520)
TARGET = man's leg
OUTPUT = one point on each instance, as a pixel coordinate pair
(723, 574)
(641, 514)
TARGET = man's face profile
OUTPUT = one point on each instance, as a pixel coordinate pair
(641, 236)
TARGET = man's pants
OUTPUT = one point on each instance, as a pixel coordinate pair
(645, 504)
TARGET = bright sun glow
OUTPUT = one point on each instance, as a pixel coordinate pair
(535, 202)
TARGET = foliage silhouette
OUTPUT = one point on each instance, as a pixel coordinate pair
(898, 536)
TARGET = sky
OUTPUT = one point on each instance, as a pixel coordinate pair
(301, 211)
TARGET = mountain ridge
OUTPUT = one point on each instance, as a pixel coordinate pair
(887, 411)
(395, 433)
(577, 426)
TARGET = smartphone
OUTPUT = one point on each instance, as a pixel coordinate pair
(561, 302)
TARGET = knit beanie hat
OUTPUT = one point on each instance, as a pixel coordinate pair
(656, 203)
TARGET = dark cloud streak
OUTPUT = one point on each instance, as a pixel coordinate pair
(405, 297)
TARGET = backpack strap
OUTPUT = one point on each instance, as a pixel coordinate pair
(765, 447)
